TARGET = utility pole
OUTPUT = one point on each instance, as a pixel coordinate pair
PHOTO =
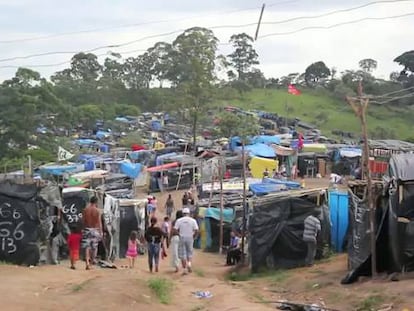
(259, 22)
(360, 106)
(221, 204)
(244, 202)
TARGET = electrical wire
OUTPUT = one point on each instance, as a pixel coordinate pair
(335, 25)
(98, 55)
(334, 12)
(88, 31)
(393, 93)
(392, 99)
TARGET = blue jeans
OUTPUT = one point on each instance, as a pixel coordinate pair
(153, 255)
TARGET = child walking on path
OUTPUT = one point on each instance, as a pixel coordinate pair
(166, 229)
(74, 242)
(132, 251)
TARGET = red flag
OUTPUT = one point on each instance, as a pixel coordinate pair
(293, 90)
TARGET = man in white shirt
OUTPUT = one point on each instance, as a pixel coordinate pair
(188, 229)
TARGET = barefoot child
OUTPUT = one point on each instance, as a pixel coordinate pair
(132, 249)
(74, 241)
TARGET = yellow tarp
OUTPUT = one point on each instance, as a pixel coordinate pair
(159, 145)
(258, 165)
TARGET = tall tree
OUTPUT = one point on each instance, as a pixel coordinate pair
(194, 52)
(316, 72)
(407, 74)
(368, 65)
(244, 55)
(161, 61)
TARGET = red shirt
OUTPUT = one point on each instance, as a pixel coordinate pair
(74, 240)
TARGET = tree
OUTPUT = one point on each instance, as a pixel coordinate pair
(89, 114)
(85, 67)
(244, 55)
(407, 74)
(368, 65)
(160, 57)
(316, 72)
(231, 124)
(137, 71)
(193, 72)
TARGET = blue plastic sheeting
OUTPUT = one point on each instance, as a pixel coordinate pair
(102, 134)
(338, 209)
(266, 139)
(122, 119)
(137, 155)
(156, 125)
(260, 150)
(213, 212)
(84, 157)
(132, 170)
(235, 142)
(160, 159)
(85, 141)
(58, 170)
(287, 183)
(350, 152)
(104, 148)
(266, 188)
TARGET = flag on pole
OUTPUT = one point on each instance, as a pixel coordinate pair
(293, 90)
(64, 155)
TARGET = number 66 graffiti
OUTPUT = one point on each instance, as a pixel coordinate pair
(6, 233)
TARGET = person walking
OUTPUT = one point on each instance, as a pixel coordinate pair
(187, 229)
(312, 228)
(155, 241)
(169, 206)
(92, 231)
(175, 242)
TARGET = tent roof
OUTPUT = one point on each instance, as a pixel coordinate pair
(390, 144)
(402, 166)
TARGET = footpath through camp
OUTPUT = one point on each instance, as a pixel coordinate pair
(52, 287)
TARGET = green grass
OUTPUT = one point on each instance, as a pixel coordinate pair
(162, 288)
(80, 286)
(371, 303)
(199, 273)
(273, 276)
(331, 112)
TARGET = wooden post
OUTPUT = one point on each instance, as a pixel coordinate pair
(221, 204)
(244, 203)
(360, 106)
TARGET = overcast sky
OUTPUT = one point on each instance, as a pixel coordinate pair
(341, 47)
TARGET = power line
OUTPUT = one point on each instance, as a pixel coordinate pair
(111, 46)
(334, 12)
(393, 93)
(98, 55)
(335, 25)
(88, 31)
(393, 99)
(213, 27)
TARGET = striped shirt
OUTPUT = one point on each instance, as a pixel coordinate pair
(312, 227)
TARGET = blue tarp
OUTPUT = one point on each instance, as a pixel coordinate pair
(102, 134)
(266, 139)
(132, 170)
(58, 170)
(213, 212)
(160, 159)
(260, 150)
(287, 183)
(122, 119)
(85, 141)
(266, 188)
(156, 125)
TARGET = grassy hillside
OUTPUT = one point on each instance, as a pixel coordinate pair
(329, 113)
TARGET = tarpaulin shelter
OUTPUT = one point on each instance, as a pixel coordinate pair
(121, 217)
(266, 139)
(260, 150)
(209, 224)
(26, 221)
(132, 170)
(276, 228)
(75, 199)
(395, 224)
(258, 165)
(136, 147)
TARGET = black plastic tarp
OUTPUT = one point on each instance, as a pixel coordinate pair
(276, 230)
(25, 224)
(394, 225)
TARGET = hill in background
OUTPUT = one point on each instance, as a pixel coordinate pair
(328, 113)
